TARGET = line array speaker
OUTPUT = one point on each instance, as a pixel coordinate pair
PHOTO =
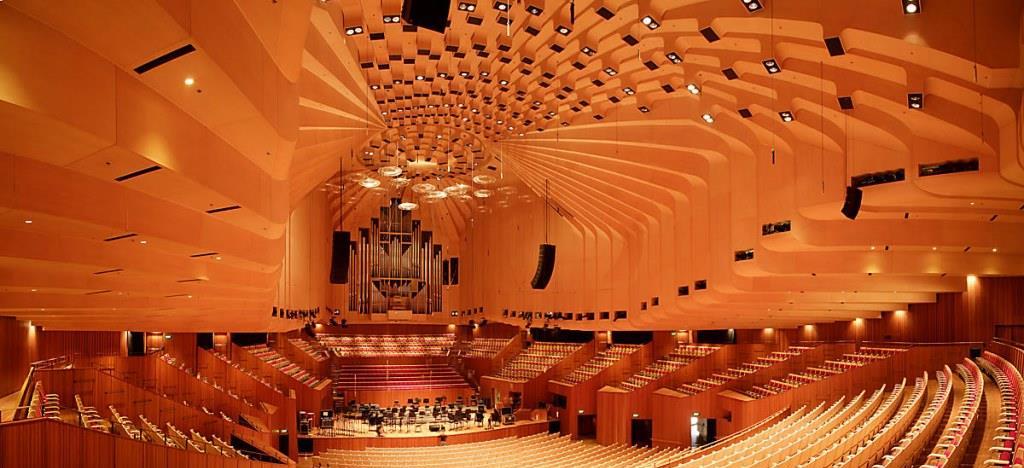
(545, 266)
(851, 206)
(339, 257)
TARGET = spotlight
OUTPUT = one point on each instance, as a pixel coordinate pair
(753, 5)
(911, 7)
(588, 51)
(534, 10)
(501, 6)
(503, 82)
(787, 116)
(708, 118)
(563, 30)
(392, 19)
(629, 91)
(772, 66)
(643, 109)
(674, 57)
(693, 88)
(354, 30)
(915, 100)
(610, 71)
(466, 6)
(649, 22)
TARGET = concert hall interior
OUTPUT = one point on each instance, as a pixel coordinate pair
(511, 233)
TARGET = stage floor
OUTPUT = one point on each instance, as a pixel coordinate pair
(521, 428)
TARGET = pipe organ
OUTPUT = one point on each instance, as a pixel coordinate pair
(395, 266)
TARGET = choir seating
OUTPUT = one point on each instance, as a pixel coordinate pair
(719, 378)
(314, 350)
(597, 363)
(535, 360)
(246, 371)
(283, 364)
(388, 345)
(541, 450)
(396, 377)
(681, 356)
(482, 347)
(828, 368)
(951, 446)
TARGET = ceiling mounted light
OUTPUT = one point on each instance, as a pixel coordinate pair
(501, 6)
(674, 57)
(424, 187)
(534, 10)
(369, 182)
(787, 116)
(189, 81)
(643, 109)
(610, 71)
(466, 6)
(407, 206)
(693, 88)
(503, 82)
(353, 31)
(563, 30)
(771, 65)
(708, 118)
(588, 51)
(436, 195)
(28, 221)
(911, 7)
(420, 77)
(629, 91)
(753, 5)
(392, 19)
(482, 193)
(649, 22)
(390, 171)
(484, 179)
(915, 100)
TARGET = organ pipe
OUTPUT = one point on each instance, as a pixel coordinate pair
(396, 266)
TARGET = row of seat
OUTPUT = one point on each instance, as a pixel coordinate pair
(482, 347)
(814, 373)
(43, 404)
(902, 452)
(314, 350)
(535, 360)
(536, 451)
(246, 371)
(388, 345)
(679, 357)
(881, 431)
(395, 377)
(722, 377)
(1007, 445)
(955, 436)
(180, 366)
(281, 363)
(598, 363)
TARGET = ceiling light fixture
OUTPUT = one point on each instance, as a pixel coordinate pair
(501, 6)
(407, 206)
(915, 100)
(466, 6)
(189, 81)
(787, 116)
(369, 182)
(911, 7)
(753, 5)
(649, 22)
(588, 51)
(563, 30)
(693, 88)
(771, 65)
(610, 71)
(534, 10)
(674, 57)
(28, 221)
(708, 118)
(629, 91)
(353, 31)
(393, 19)
(482, 193)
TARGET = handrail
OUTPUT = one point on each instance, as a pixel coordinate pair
(21, 411)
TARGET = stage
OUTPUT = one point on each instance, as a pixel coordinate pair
(426, 439)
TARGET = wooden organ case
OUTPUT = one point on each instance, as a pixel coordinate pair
(395, 266)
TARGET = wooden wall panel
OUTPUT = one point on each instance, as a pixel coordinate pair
(70, 343)
(17, 349)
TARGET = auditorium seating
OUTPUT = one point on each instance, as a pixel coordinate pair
(1006, 446)
(236, 401)
(314, 350)
(535, 360)
(541, 450)
(388, 345)
(246, 371)
(283, 364)
(679, 357)
(903, 451)
(482, 347)
(951, 446)
(818, 372)
(597, 363)
(396, 377)
(744, 369)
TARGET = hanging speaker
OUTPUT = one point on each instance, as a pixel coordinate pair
(545, 266)
(852, 204)
(339, 257)
(429, 14)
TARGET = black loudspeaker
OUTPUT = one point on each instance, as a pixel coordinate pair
(852, 204)
(545, 266)
(453, 270)
(339, 257)
(136, 343)
(429, 14)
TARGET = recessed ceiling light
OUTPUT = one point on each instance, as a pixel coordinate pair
(935, 248)
(693, 88)
(217, 258)
(466, 6)
(588, 51)
(610, 71)
(189, 81)
(995, 249)
(649, 22)
(771, 65)
(708, 118)
(143, 242)
(911, 7)
(354, 30)
(563, 30)
(872, 247)
(28, 221)
(394, 19)
(787, 116)
(503, 82)
(629, 91)
(643, 109)
(753, 5)
(534, 10)
(34, 290)
(915, 100)
(501, 6)
(674, 57)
